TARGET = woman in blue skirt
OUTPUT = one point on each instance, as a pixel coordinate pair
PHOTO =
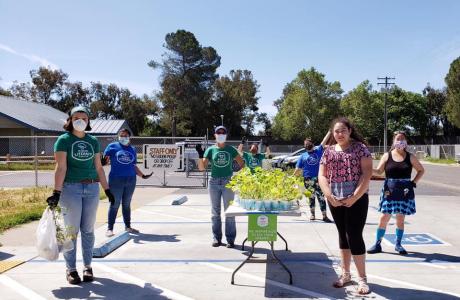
(397, 196)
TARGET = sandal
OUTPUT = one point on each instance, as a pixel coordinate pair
(343, 280)
(363, 288)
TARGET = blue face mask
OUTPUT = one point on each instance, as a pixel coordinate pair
(123, 140)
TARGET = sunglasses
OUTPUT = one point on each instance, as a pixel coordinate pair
(220, 132)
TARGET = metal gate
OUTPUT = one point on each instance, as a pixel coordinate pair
(187, 175)
(27, 161)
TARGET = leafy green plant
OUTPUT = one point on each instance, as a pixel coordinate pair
(268, 185)
(64, 234)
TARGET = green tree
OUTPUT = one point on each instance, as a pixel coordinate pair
(48, 85)
(307, 106)
(22, 90)
(4, 92)
(364, 107)
(188, 74)
(106, 100)
(139, 112)
(262, 118)
(235, 97)
(407, 111)
(112, 102)
(453, 92)
(73, 93)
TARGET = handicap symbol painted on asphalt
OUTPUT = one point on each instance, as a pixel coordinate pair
(414, 239)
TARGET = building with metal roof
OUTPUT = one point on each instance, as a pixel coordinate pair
(107, 127)
(26, 118)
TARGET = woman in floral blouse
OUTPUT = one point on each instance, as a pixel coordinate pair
(344, 175)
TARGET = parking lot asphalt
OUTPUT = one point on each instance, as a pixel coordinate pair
(172, 258)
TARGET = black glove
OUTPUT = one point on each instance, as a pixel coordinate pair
(104, 160)
(414, 185)
(243, 140)
(53, 200)
(109, 195)
(147, 176)
(265, 143)
(200, 151)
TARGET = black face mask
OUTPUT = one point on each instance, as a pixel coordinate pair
(309, 147)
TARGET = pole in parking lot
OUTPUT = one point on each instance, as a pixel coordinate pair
(387, 83)
(36, 160)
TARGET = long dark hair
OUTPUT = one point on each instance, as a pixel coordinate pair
(355, 135)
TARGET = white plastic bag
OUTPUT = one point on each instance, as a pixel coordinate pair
(47, 245)
(64, 234)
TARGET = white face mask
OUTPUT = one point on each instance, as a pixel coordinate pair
(221, 138)
(79, 125)
(124, 140)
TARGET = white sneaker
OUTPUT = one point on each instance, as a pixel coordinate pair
(109, 233)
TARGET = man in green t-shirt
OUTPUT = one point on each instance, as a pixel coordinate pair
(252, 158)
(221, 157)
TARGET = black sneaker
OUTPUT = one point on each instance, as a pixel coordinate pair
(216, 243)
(73, 277)
(326, 220)
(377, 248)
(88, 275)
(400, 249)
(230, 245)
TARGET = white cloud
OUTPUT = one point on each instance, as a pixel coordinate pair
(30, 57)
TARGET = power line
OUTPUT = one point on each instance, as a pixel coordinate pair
(387, 83)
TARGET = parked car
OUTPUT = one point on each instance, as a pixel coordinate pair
(291, 160)
(276, 160)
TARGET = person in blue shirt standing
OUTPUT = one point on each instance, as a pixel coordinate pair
(122, 178)
(308, 164)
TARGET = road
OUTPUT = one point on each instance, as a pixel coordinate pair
(442, 180)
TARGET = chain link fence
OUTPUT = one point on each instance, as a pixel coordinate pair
(29, 161)
(422, 151)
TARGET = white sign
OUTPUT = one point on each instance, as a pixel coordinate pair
(162, 157)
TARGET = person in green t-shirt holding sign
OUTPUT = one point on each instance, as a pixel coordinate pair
(76, 188)
(253, 159)
(221, 157)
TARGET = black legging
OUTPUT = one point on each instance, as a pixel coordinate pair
(350, 223)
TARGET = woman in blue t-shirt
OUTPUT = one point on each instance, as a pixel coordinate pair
(122, 178)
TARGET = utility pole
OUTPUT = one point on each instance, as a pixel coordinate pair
(387, 83)
(222, 118)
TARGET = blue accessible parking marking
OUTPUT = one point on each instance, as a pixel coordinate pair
(415, 239)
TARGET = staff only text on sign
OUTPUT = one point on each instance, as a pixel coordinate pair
(162, 156)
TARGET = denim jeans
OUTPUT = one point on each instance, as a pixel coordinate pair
(79, 203)
(217, 190)
(122, 188)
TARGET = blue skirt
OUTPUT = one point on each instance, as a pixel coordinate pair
(397, 197)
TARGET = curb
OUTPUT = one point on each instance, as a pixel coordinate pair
(111, 245)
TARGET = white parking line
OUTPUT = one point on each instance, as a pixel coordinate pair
(433, 265)
(19, 288)
(140, 282)
(271, 282)
(196, 209)
(7, 174)
(395, 281)
(168, 215)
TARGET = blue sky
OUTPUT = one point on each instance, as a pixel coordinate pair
(348, 41)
